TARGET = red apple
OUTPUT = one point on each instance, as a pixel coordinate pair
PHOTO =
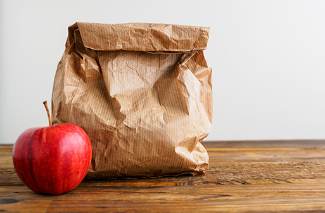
(53, 159)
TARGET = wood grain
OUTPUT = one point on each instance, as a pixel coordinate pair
(247, 176)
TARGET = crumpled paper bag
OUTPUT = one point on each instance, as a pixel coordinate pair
(143, 94)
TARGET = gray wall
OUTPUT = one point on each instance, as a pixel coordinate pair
(268, 59)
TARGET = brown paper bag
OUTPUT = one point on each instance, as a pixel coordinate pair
(142, 92)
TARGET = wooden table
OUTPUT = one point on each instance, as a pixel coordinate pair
(244, 176)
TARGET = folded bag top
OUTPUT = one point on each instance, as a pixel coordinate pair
(143, 37)
(143, 94)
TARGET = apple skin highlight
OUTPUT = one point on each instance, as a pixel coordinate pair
(53, 159)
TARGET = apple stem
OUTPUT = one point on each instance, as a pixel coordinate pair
(48, 112)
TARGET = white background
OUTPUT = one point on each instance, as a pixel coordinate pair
(268, 60)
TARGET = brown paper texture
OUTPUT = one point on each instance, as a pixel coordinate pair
(142, 92)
